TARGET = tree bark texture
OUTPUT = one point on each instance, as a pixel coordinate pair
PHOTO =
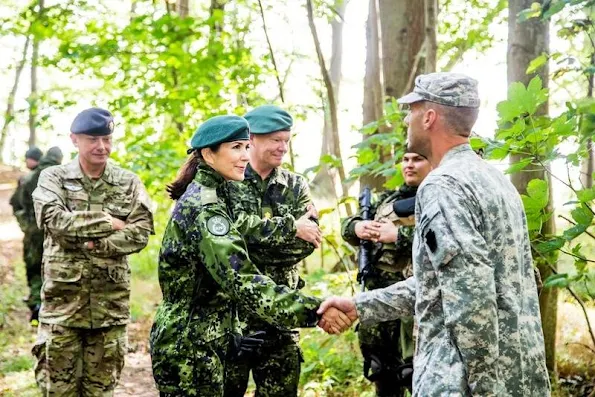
(526, 41)
(332, 103)
(402, 34)
(33, 96)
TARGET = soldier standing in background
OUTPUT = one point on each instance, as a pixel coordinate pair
(271, 192)
(33, 240)
(388, 347)
(32, 157)
(93, 215)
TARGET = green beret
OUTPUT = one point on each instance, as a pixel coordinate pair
(267, 119)
(220, 129)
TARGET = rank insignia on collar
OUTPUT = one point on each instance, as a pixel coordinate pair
(267, 215)
(218, 225)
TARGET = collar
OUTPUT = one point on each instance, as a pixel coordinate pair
(275, 177)
(74, 171)
(207, 176)
(454, 152)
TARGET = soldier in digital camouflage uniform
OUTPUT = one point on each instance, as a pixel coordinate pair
(270, 191)
(205, 273)
(32, 157)
(93, 214)
(473, 291)
(33, 239)
(388, 347)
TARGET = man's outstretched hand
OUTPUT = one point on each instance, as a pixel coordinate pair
(338, 314)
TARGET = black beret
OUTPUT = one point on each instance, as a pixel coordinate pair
(34, 153)
(93, 121)
(220, 129)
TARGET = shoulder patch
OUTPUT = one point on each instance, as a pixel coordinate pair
(208, 195)
(218, 225)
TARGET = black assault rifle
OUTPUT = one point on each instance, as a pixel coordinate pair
(403, 216)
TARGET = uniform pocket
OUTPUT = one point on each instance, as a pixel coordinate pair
(62, 269)
(119, 273)
(118, 206)
(77, 200)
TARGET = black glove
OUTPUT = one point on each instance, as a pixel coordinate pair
(243, 346)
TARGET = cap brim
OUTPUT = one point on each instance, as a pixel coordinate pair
(412, 97)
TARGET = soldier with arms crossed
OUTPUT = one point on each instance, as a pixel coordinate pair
(93, 214)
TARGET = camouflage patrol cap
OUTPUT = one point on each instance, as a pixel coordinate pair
(449, 89)
(93, 121)
(267, 119)
(220, 129)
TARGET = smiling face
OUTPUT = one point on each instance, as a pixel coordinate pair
(229, 160)
(93, 150)
(415, 168)
(267, 150)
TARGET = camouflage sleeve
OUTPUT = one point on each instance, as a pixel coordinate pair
(295, 249)
(273, 232)
(52, 213)
(387, 304)
(460, 257)
(16, 202)
(348, 224)
(135, 236)
(224, 255)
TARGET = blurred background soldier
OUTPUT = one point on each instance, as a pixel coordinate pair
(33, 240)
(32, 157)
(387, 347)
(93, 214)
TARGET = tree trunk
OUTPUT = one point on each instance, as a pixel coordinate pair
(526, 41)
(373, 90)
(402, 34)
(280, 84)
(9, 113)
(33, 96)
(324, 182)
(182, 8)
(588, 164)
(335, 148)
(431, 11)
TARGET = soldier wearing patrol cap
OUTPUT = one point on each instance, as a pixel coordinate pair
(206, 274)
(273, 192)
(473, 292)
(93, 214)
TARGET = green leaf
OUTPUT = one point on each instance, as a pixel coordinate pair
(537, 63)
(556, 281)
(537, 189)
(516, 167)
(574, 232)
(586, 195)
(550, 246)
(582, 215)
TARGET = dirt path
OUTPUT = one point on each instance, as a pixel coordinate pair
(136, 380)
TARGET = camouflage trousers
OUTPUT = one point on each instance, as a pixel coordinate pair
(275, 368)
(78, 361)
(32, 255)
(385, 347)
(195, 370)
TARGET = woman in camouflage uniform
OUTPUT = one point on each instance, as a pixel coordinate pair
(204, 271)
(386, 347)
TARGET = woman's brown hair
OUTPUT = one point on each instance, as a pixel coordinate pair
(186, 174)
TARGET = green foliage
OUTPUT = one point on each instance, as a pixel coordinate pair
(523, 131)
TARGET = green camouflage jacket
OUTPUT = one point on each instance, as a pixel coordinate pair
(282, 197)
(392, 261)
(205, 274)
(89, 288)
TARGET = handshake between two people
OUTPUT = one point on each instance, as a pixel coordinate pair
(337, 314)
